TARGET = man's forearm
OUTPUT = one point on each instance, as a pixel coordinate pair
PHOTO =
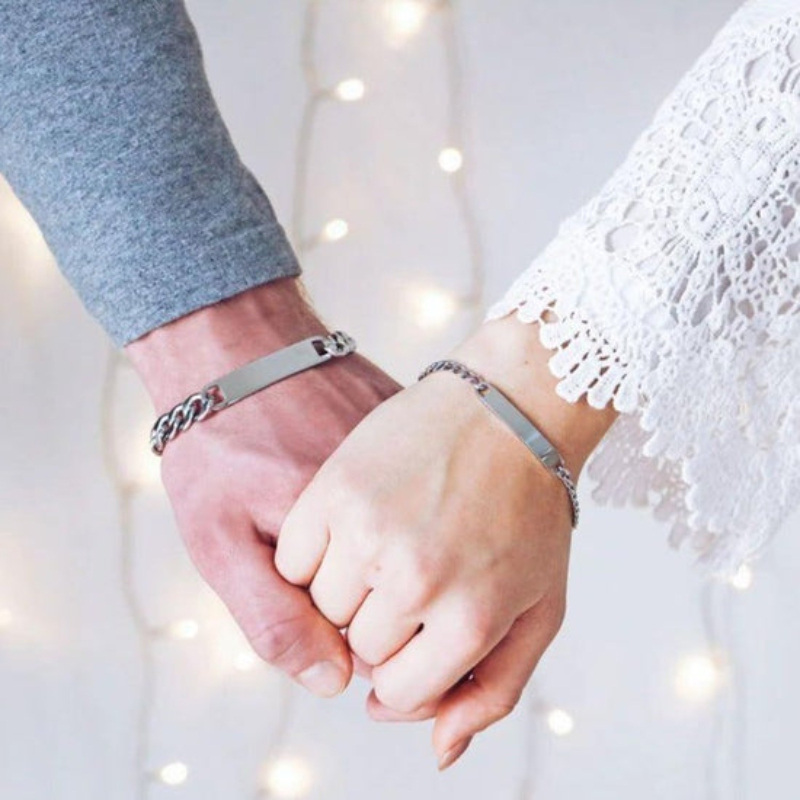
(178, 358)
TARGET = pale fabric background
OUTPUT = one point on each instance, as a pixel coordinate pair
(556, 92)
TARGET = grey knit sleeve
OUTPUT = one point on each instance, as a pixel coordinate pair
(111, 138)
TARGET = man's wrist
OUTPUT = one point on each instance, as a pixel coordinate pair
(508, 353)
(178, 358)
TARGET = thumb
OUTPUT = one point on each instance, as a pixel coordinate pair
(279, 619)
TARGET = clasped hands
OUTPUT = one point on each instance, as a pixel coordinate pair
(350, 525)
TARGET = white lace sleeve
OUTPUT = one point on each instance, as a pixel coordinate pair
(677, 292)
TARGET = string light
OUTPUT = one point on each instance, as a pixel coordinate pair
(334, 230)
(405, 18)
(697, 678)
(350, 90)
(704, 680)
(560, 722)
(432, 307)
(742, 578)
(173, 774)
(145, 470)
(473, 299)
(183, 629)
(288, 778)
(245, 661)
(126, 492)
(451, 159)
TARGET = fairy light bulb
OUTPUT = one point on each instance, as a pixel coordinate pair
(405, 17)
(288, 778)
(697, 678)
(147, 470)
(433, 307)
(350, 90)
(560, 722)
(245, 661)
(334, 230)
(6, 618)
(184, 629)
(451, 159)
(142, 469)
(173, 774)
(742, 578)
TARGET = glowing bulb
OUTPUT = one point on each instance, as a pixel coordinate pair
(288, 778)
(451, 159)
(405, 16)
(142, 468)
(6, 617)
(350, 90)
(742, 578)
(245, 661)
(334, 230)
(147, 469)
(184, 629)
(560, 722)
(173, 774)
(433, 307)
(697, 678)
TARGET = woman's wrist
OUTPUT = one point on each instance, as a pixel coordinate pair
(508, 353)
(186, 353)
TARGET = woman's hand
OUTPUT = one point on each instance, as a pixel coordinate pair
(442, 543)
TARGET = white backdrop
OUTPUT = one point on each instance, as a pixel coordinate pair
(555, 94)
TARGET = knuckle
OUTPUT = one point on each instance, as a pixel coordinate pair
(475, 622)
(329, 608)
(418, 588)
(346, 481)
(285, 565)
(415, 576)
(496, 708)
(367, 650)
(276, 641)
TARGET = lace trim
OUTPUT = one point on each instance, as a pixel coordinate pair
(677, 297)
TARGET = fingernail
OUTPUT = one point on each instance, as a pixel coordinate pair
(325, 679)
(454, 753)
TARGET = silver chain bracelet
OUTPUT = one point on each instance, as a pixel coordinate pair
(519, 423)
(245, 380)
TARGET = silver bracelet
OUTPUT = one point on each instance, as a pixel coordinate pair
(530, 435)
(245, 380)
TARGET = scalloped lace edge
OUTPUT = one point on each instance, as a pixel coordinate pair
(716, 554)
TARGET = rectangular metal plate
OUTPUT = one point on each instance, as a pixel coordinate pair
(532, 437)
(268, 370)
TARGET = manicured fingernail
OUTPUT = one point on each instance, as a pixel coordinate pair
(454, 753)
(325, 679)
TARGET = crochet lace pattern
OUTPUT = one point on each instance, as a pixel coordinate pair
(677, 296)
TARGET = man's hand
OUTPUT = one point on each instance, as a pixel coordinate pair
(232, 478)
(442, 543)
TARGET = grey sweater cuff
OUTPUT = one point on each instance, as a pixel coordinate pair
(110, 136)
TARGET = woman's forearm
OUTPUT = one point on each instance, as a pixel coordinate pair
(510, 355)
